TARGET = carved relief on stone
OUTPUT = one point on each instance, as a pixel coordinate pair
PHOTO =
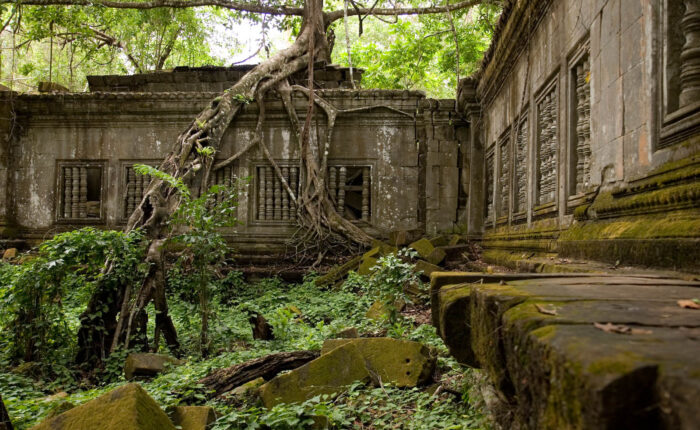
(583, 126)
(547, 142)
(690, 54)
(489, 187)
(504, 179)
(520, 183)
(224, 177)
(274, 202)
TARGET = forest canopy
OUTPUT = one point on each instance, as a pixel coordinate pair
(64, 44)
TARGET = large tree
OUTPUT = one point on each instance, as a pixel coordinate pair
(190, 159)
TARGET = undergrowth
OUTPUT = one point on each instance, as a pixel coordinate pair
(302, 316)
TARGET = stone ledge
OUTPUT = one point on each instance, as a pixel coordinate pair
(534, 337)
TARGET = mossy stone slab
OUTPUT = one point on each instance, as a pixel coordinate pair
(436, 256)
(125, 408)
(366, 266)
(324, 375)
(423, 247)
(193, 417)
(403, 363)
(147, 364)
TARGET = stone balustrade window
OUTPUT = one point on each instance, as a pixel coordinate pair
(135, 188)
(273, 200)
(679, 86)
(580, 134)
(520, 165)
(80, 191)
(489, 210)
(547, 146)
(504, 176)
(350, 188)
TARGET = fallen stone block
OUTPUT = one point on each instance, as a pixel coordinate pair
(403, 363)
(147, 364)
(348, 333)
(427, 268)
(324, 375)
(455, 252)
(380, 311)
(436, 256)
(423, 247)
(440, 241)
(247, 388)
(366, 266)
(192, 417)
(9, 254)
(126, 408)
(398, 238)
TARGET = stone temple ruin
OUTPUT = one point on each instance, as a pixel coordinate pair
(578, 140)
(68, 161)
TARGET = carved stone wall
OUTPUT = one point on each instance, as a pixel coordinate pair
(80, 191)
(273, 202)
(489, 210)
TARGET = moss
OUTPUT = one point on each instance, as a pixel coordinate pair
(126, 408)
(423, 247)
(545, 333)
(620, 363)
(672, 225)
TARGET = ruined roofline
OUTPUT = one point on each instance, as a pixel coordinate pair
(515, 25)
(213, 78)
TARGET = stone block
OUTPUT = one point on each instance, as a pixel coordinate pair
(193, 417)
(247, 388)
(634, 110)
(325, 375)
(610, 62)
(436, 256)
(402, 363)
(427, 268)
(632, 47)
(348, 333)
(147, 364)
(366, 266)
(423, 247)
(125, 408)
(9, 254)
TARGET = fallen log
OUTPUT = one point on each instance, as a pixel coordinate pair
(224, 380)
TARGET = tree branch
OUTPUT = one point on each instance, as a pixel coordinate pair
(175, 4)
(338, 14)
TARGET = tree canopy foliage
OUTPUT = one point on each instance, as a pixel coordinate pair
(64, 44)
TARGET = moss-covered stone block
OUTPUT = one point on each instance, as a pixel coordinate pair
(366, 266)
(147, 364)
(423, 247)
(436, 256)
(325, 375)
(426, 268)
(403, 363)
(380, 311)
(337, 273)
(193, 417)
(125, 408)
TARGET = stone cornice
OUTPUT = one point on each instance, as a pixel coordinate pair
(521, 18)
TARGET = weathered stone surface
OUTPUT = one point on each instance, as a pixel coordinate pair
(366, 266)
(436, 256)
(147, 364)
(537, 341)
(324, 375)
(192, 417)
(248, 387)
(423, 247)
(59, 408)
(126, 408)
(348, 333)
(403, 363)
(427, 268)
(380, 311)
(9, 254)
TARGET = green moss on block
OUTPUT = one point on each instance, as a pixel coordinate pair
(126, 408)
(423, 247)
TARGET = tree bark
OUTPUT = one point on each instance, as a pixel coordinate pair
(224, 380)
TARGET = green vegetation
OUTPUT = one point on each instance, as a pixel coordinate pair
(302, 315)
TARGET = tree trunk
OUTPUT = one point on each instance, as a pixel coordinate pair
(224, 380)
(316, 211)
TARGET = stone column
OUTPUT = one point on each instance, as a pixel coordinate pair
(690, 54)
